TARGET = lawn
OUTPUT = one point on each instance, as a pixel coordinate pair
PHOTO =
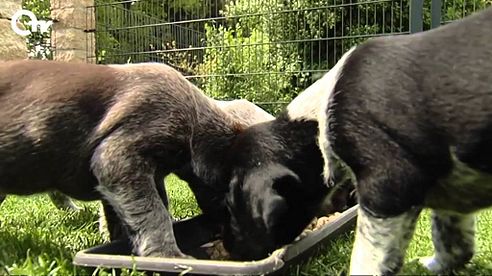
(38, 239)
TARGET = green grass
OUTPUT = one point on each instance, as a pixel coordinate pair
(38, 239)
(334, 258)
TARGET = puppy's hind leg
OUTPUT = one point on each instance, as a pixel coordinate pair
(126, 180)
(390, 194)
(380, 243)
(453, 236)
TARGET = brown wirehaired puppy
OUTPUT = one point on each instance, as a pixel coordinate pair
(210, 198)
(111, 133)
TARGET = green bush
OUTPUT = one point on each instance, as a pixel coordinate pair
(246, 57)
(38, 44)
(456, 9)
(270, 51)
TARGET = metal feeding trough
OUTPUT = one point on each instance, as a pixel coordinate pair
(118, 254)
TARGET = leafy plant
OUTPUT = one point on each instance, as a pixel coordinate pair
(38, 44)
(246, 56)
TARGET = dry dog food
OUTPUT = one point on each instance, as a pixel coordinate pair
(317, 223)
(216, 249)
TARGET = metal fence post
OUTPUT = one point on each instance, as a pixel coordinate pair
(416, 16)
(436, 13)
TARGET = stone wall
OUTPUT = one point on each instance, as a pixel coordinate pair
(12, 46)
(71, 18)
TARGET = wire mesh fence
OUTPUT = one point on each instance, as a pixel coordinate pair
(263, 50)
(266, 51)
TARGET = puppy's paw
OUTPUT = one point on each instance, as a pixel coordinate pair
(432, 264)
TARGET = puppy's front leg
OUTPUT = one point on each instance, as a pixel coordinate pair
(126, 180)
(380, 243)
(110, 225)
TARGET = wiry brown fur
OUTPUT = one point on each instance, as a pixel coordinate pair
(210, 198)
(111, 132)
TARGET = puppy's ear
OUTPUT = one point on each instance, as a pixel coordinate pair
(287, 184)
(274, 207)
(272, 183)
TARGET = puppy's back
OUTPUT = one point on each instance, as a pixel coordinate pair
(55, 80)
(438, 80)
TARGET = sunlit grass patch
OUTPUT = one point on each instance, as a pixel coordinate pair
(38, 239)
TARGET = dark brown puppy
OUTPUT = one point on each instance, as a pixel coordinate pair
(111, 132)
(210, 198)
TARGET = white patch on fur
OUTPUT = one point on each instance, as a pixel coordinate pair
(453, 236)
(380, 244)
(308, 104)
(322, 97)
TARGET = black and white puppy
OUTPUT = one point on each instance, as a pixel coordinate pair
(277, 185)
(412, 117)
(111, 133)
